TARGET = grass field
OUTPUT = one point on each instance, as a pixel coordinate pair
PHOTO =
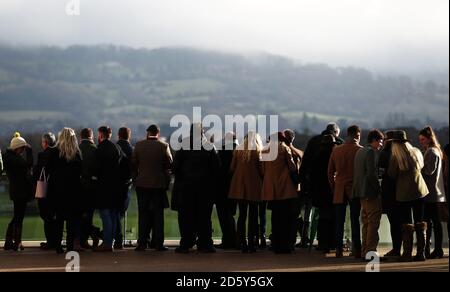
(33, 226)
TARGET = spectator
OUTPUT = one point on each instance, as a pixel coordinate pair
(340, 176)
(64, 189)
(433, 174)
(108, 156)
(46, 208)
(124, 143)
(246, 188)
(196, 168)
(405, 167)
(152, 161)
(18, 170)
(366, 186)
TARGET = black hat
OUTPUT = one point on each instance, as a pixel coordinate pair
(399, 136)
(389, 135)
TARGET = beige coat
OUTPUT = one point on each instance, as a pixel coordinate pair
(277, 183)
(246, 183)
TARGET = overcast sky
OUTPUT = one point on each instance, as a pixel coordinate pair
(400, 35)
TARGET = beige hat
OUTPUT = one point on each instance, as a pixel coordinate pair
(17, 142)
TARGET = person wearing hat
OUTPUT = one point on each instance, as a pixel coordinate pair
(18, 170)
(322, 195)
(405, 167)
(388, 198)
(152, 161)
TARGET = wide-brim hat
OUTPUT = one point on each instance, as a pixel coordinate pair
(399, 136)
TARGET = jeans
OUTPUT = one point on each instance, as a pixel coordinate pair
(355, 212)
(109, 220)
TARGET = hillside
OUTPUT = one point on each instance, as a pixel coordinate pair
(84, 86)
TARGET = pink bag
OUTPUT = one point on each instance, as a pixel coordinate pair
(41, 187)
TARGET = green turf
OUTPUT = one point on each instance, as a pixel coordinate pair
(33, 226)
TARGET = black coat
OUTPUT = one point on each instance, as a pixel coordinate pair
(18, 170)
(42, 161)
(308, 162)
(226, 157)
(64, 183)
(322, 195)
(195, 167)
(388, 184)
(126, 147)
(89, 169)
(110, 187)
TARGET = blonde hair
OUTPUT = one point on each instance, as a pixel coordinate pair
(252, 142)
(67, 144)
(407, 156)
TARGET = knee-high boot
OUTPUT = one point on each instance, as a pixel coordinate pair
(408, 240)
(421, 234)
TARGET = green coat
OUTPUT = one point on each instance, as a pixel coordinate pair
(410, 184)
(365, 181)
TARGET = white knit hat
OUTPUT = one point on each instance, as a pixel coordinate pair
(17, 142)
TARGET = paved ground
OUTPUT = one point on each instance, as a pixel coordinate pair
(34, 260)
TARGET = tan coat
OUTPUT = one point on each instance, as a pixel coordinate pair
(340, 170)
(277, 183)
(246, 183)
(297, 155)
(152, 161)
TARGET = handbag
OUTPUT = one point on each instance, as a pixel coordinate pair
(42, 184)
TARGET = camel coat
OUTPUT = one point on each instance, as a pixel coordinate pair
(246, 183)
(340, 170)
(278, 183)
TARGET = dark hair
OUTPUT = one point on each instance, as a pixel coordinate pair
(353, 131)
(49, 138)
(290, 135)
(86, 133)
(124, 133)
(333, 127)
(153, 130)
(375, 135)
(428, 133)
(105, 130)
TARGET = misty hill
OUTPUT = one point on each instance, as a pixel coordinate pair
(84, 86)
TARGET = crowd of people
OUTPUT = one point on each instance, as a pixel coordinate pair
(74, 177)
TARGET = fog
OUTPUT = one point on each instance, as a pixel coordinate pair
(407, 36)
